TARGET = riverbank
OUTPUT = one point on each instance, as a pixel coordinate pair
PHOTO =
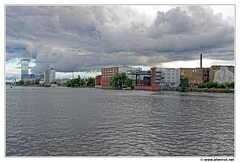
(218, 90)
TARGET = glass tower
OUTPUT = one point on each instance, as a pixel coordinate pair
(24, 67)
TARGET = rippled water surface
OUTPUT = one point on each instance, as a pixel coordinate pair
(93, 122)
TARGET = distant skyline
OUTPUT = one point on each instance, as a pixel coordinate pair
(85, 39)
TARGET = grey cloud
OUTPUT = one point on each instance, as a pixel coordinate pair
(86, 38)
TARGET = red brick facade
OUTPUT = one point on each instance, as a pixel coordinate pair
(98, 81)
(106, 75)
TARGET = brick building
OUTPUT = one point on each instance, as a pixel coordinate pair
(98, 81)
(203, 75)
(107, 73)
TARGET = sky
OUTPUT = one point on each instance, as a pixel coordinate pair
(86, 38)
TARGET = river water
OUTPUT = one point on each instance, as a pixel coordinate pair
(64, 121)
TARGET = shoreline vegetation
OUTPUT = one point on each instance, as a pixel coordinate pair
(121, 82)
(192, 89)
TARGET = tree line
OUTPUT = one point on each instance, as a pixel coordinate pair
(90, 82)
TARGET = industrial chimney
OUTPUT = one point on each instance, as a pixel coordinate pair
(200, 61)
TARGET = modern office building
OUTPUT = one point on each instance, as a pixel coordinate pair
(49, 76)
(24, 67)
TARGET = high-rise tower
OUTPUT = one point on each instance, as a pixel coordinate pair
(24, 67)
(49, 76)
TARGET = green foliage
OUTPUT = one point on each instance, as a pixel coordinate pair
(211, 84)
(216, 85)
(75, 82)
(53, 82)
(81, 82)
(201, 85)
(231, 85)
(128, 82)
(118, 80)
(90, 82)
(183, 83)
(21, 82)
(220, 86)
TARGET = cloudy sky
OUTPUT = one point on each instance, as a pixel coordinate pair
(85, 39)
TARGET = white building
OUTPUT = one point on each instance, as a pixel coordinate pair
(49, 76)
(170, 76)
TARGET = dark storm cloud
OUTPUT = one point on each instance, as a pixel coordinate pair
(86, 38)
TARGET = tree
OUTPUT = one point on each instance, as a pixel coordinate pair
(53, 82)
(21, 82)
(128, 82)
(183, 83)
(72, 83)
(231, 85)
(91, 82)
(82, 82)
(118, 80)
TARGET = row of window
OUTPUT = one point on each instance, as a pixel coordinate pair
(170, 74)
(170, 77)
(109, 70)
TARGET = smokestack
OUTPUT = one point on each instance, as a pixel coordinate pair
(200, 61)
